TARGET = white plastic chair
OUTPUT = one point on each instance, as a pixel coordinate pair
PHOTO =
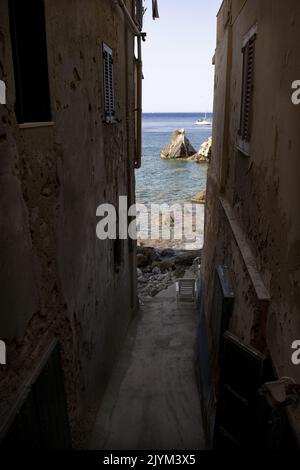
(186, 290)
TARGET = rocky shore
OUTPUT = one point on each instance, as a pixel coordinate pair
(157, 269)
(200, 197)
(158, 266)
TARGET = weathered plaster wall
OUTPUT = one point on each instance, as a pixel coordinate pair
(56, 277)
(262, 188)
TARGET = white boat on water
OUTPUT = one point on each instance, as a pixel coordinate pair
(203, 122)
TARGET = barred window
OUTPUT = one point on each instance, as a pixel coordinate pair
(108, 78)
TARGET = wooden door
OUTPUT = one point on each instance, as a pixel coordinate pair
(243, 371)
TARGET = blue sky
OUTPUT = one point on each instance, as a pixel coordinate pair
(178, 55)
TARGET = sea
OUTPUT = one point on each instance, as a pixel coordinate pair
(161, 181)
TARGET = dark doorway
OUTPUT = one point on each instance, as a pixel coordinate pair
(40, 421)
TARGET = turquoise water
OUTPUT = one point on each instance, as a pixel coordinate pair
(169, 181)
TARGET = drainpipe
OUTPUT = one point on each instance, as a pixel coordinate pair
(139, 81)
(139, 77)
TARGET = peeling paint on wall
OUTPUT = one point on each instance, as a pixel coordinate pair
(262, 187)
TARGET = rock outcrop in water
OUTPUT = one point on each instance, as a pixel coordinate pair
(179, 147)
(199, 197)
(204, 153)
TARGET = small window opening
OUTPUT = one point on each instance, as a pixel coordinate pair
(28, 35)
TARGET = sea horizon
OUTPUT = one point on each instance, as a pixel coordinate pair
(178, 112)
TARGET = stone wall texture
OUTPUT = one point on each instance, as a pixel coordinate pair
(57, 279)
(260, 189)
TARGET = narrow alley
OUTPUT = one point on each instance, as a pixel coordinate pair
(146, 145)
(152, 400)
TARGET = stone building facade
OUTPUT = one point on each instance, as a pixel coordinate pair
(251, 258)
(67, 144)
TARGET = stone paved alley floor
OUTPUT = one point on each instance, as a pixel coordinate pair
(152, 399)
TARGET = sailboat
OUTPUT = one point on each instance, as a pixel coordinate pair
(203, 122)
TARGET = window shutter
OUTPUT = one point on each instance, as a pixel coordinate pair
(109, 104)
(247, 89)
